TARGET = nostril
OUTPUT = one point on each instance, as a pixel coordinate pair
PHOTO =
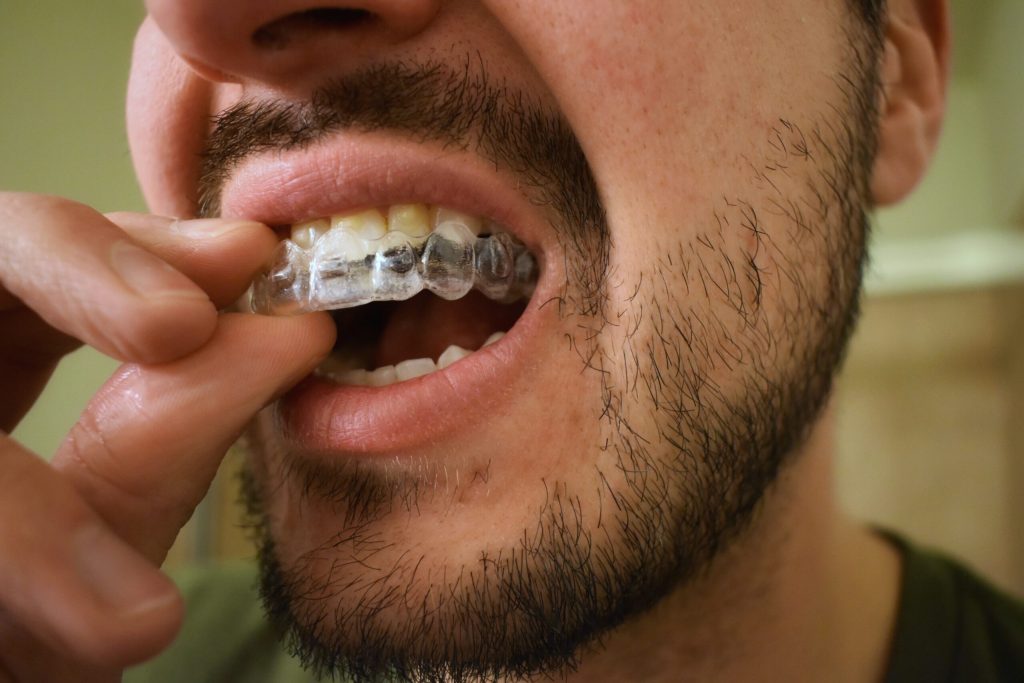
(281, 33)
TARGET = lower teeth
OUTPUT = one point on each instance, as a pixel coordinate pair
(449, 262)
(337, 371)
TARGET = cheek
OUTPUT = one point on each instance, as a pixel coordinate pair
(673, 102)
(168, 112)
(683, 115)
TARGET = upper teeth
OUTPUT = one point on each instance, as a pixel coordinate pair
(409, 220)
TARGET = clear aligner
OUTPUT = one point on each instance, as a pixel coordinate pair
(340, 270)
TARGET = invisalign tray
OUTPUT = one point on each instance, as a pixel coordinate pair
(336, 272)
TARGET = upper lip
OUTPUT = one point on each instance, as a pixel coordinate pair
(350, 172)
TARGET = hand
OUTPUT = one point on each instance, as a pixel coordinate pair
(81, 539)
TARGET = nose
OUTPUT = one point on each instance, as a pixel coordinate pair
(284, 42)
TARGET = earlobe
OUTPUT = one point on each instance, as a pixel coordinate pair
(914, 73)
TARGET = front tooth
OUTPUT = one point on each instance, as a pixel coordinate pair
(395, 275)
(306, 233)
(451, 354)
(394, 240)
(493, 338)
(368, 225)
(443, 215)
(413, 368)
(382, 377)
(412, 219)
(340, 245)
(447, 261)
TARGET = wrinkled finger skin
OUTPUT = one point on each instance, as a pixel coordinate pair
(81, 538)
(60, 285)
(85, 277)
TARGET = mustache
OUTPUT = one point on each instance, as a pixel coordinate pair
(456, 107)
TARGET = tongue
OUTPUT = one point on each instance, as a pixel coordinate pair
(424, 326)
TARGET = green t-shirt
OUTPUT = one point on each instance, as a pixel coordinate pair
(952, 626)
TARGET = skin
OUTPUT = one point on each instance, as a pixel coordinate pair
(124, 481)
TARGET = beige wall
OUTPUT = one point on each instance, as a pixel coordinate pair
(931, 405)
(957, 193)
(1002, 71)
(931, 402)
(63, 69)
(929, 424)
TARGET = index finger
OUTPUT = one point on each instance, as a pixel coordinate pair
(82, 275)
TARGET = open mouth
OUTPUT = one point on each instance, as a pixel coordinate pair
(412, 369)
(382, 343)
(412, 289)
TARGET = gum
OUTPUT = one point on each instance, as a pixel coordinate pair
(449, 262)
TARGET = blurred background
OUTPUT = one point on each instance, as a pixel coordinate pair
(931, 401)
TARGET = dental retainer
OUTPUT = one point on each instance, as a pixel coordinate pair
(340, 270)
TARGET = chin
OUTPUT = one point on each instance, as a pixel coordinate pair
(445, 562)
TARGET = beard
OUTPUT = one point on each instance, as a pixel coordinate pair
(712, 363)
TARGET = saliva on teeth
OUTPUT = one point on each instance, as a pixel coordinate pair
(356, 259)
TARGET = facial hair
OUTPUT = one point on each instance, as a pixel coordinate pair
(677, 495)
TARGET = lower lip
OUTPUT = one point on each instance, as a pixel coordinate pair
(321, 418)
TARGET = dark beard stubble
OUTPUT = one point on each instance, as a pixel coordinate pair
(674, 501)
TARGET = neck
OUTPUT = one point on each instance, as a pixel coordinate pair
(803, 594)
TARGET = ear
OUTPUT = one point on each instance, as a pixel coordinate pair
(915, 72)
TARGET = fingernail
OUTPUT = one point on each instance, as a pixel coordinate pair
(149, 275)
(118, 576)
(211, 227)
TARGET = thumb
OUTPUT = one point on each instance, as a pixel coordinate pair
(148, 445)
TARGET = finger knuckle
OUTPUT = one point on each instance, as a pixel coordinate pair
(90, 452)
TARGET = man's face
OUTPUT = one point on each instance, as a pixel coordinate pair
(690, 177)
